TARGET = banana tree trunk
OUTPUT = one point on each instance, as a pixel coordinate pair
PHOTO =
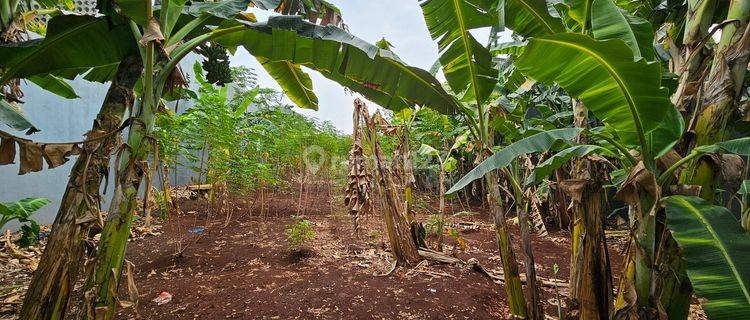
(513, 288)
(101, 287)
(532, 286)
(699, 18)
(721, 93)
(635, 292)
(53, 281)
(590, 275)
(397, 219)
(672, 290)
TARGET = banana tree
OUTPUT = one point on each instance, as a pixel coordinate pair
(606, 50)
(470, 74)
(623, 92)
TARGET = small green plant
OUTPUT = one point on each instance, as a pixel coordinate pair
(374, 234)
(432, 225)
(22, 210)
(555, 270)
(299, 232)
(161, 202)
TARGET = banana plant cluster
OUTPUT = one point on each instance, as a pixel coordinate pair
(652, 103)
(158, 38)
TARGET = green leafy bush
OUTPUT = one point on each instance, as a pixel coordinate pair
(299, 232)
(22, 210)
(432, 225)
(249, 139)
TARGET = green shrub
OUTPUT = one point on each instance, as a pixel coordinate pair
(299, 232)
(432, 225)
(22, 210)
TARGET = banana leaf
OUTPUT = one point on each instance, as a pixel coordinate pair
(539, 142)
(626, 95)
(55, 85)
(467, 64)
(12, 117)
(74, 44)
(377, 74)
(295, 83)
(547, 167)
(610, 22)
(715, 248)
(25, 207)
(529, 18)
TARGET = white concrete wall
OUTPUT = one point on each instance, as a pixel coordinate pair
(59, 120)
(62, 120)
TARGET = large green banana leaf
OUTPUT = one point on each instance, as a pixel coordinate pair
(467, 64)
(671, 126)
(539, 142)
(55, 85)
(579, 10)
(25, 207)
(375, 73)
(295, 83)
(610, 22)
(266, 4)
(529, 18)
(13, 117)
(624, 94)
(169, 15)
(135, 10)
(74, 44)
(549, 166)
(715, 248)
(740, 146)
(226, 9)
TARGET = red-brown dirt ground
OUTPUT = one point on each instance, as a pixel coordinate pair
(244, 270)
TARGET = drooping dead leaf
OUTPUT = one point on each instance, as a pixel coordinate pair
(668, 160)
(359, 187)
(57, 154)
(574, 188)
(7, 150)
(732, 169)
(639, 180)
(153, 32)
(31, 156)
(132, 289)
(629, 308)
(685, 190)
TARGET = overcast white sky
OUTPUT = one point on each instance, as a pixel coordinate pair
(399, 21)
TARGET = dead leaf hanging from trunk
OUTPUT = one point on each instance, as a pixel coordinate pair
(7, 150)
(359, 187)
(639, 179)
(153, 32)
(57, 154)
(31, 156)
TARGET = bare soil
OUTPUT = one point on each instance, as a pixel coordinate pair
(245, 270)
